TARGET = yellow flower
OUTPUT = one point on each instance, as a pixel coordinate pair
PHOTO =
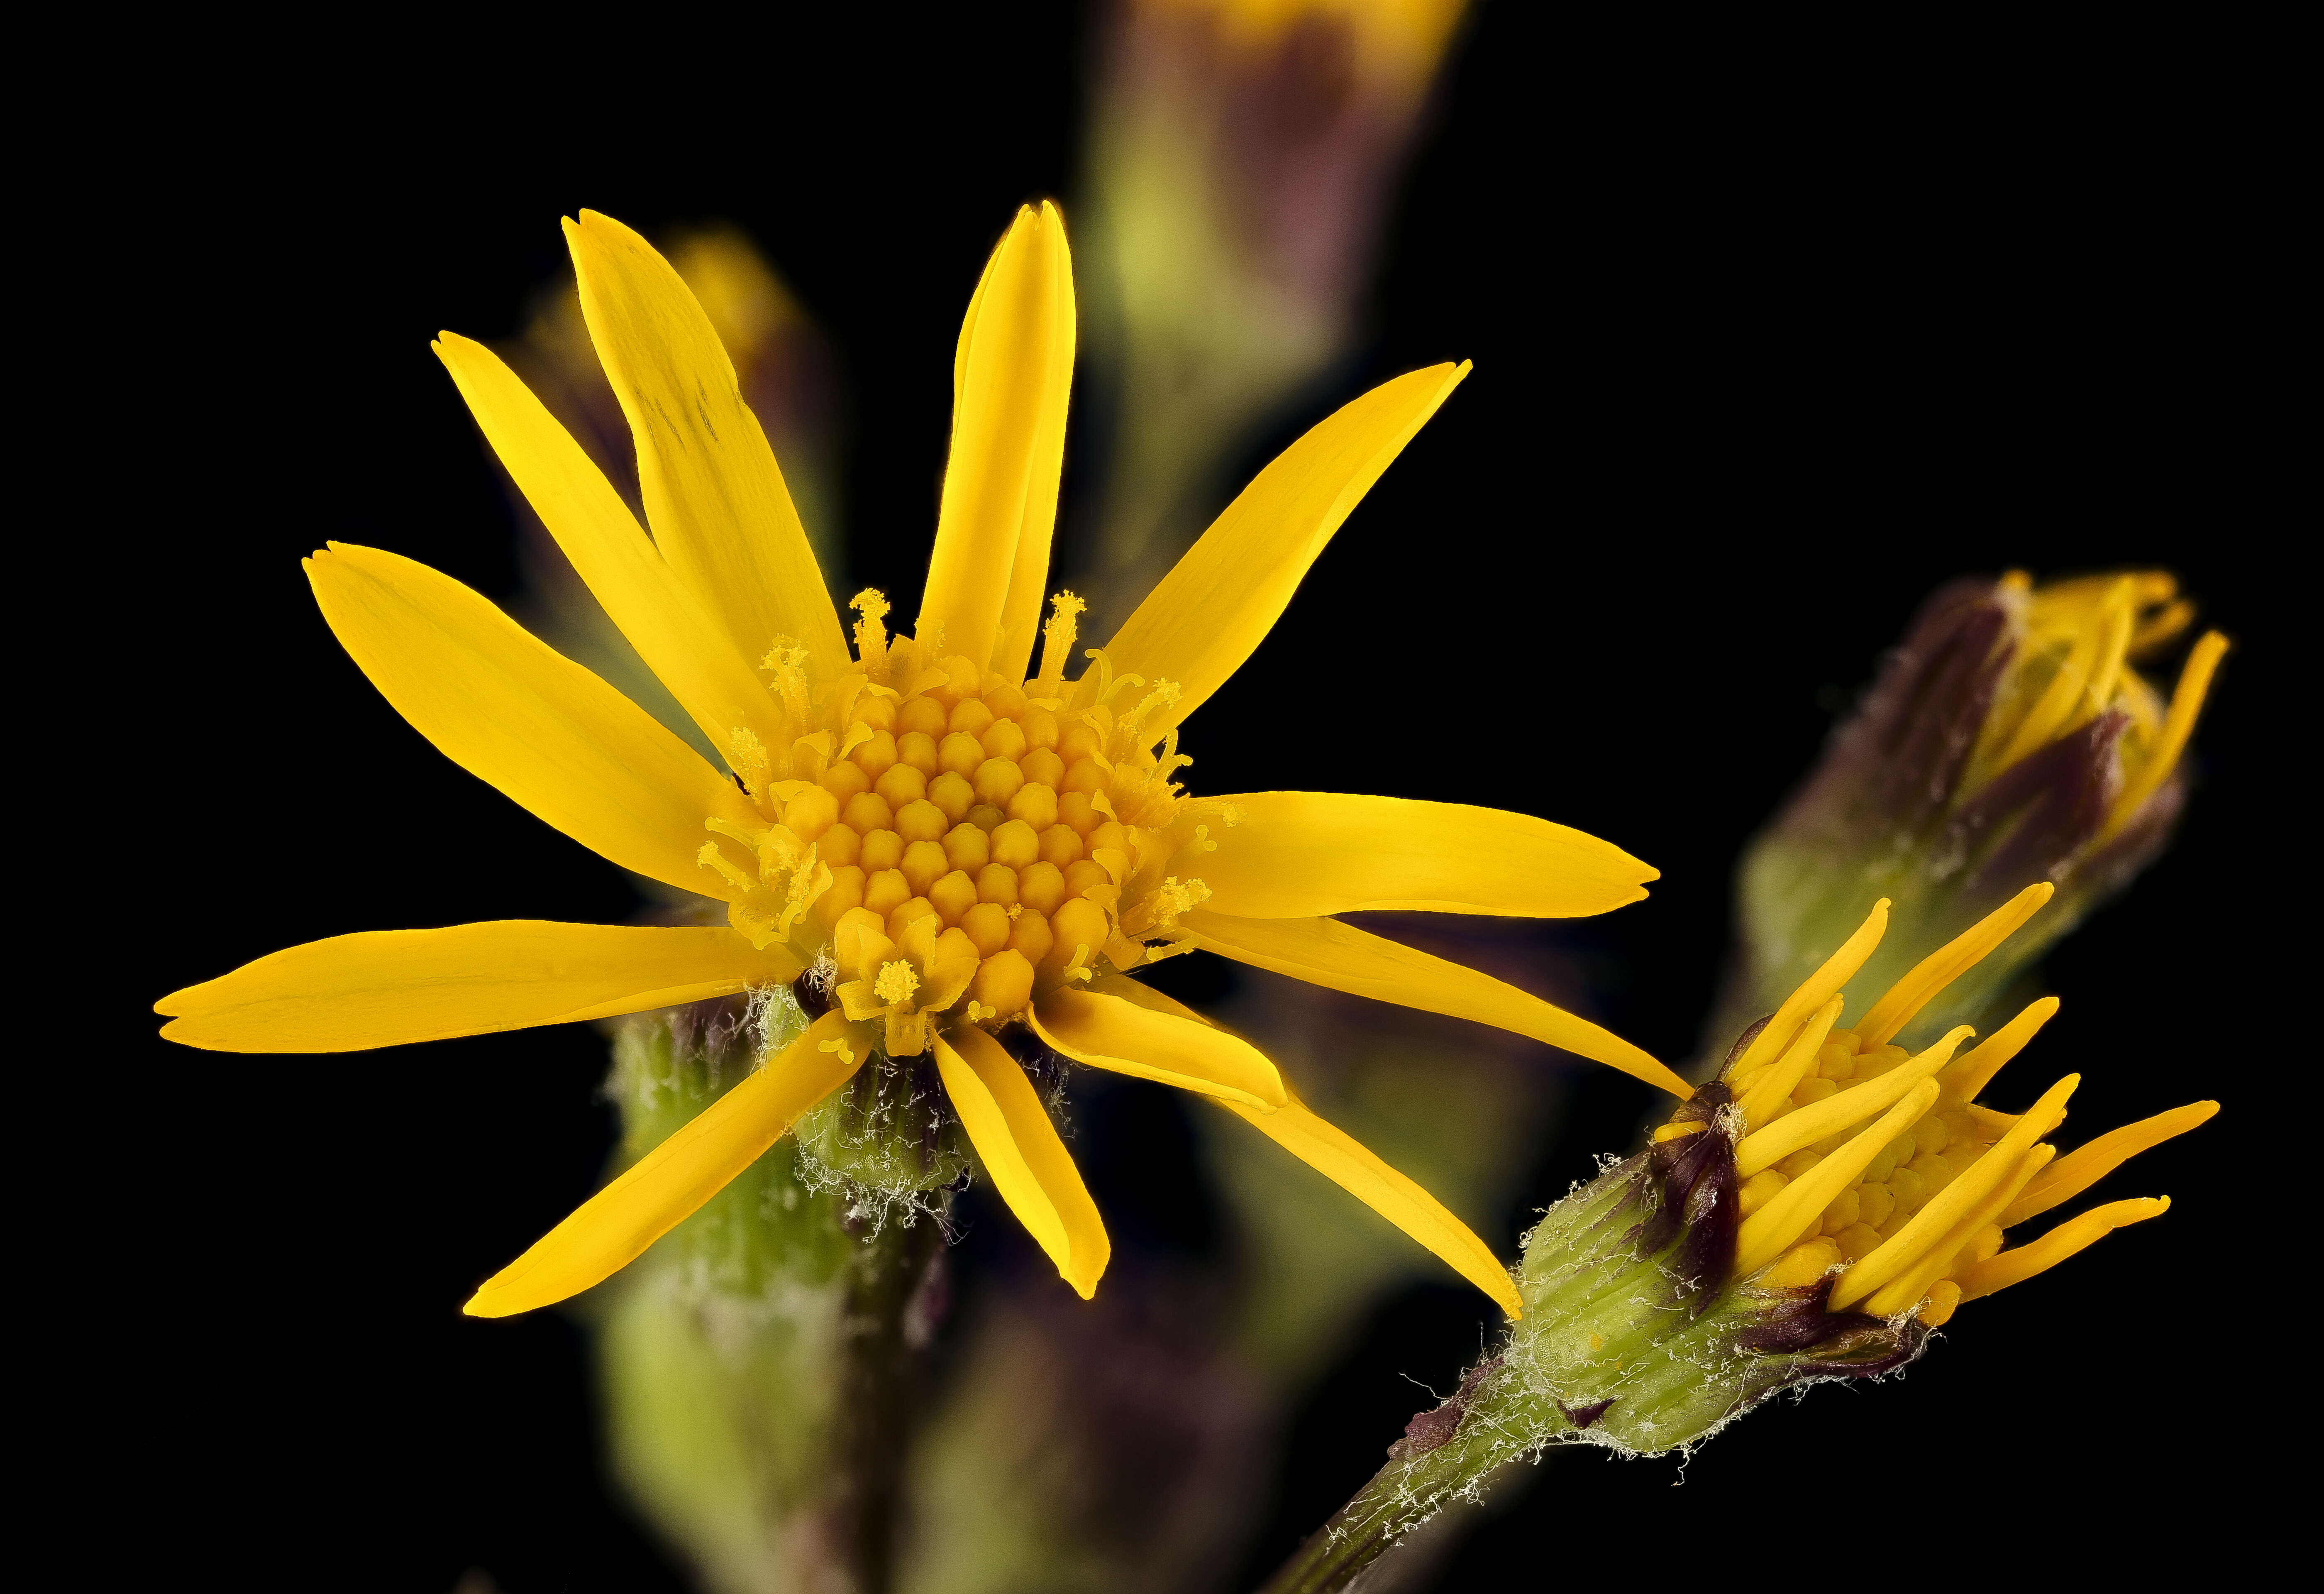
(1812, 1215)
(1874, 1192)
(1853, 1155)
(2067, 670)
(934, 841)
(2009, 740)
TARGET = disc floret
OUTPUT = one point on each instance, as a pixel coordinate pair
(957, 842)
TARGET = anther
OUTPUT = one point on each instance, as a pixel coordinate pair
(896, 982)
(1057, 635)
(872, 633)
(747, 755)
(788, 660)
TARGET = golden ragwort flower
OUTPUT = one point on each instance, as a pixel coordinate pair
(1812, 1215)
(932, 840)
(1852, 1156)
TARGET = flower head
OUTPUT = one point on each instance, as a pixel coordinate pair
(1812, 1214)
(2010, 739)
(947, 847)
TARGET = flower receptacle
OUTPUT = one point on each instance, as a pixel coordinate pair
(1633, 1337)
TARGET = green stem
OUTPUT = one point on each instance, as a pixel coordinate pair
(1400, 1496)
(878, 1374)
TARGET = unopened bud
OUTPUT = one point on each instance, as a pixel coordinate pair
(2010, 738)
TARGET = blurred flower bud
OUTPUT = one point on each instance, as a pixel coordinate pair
(1241, 156)
(2009, 740)
(1111, 1444)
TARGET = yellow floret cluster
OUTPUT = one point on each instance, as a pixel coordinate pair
(1902, 1178)
(985, 835)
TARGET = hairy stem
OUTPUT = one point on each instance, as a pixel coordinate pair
(889, 1280)
(1400, 1496)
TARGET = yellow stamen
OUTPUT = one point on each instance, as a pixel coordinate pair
(1772, 1091)
(746, 755)
(1057, 637)
(2076, 1234)
(734, 831)
(896, 982)
(1820, 987)
(788, 660)
(1768, 1232)
(871, 632)
(1970, 1075)
(1929, 1226)
(711, 858)
(2085, 1166)
(1164, 695)
(1799, 1129)
(2178, 724)
(1918, 989)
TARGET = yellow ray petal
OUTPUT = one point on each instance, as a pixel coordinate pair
(1774, 1227)
(2178, 724)
(514, 713)
(609, 551)
(390, 987)
(613, 1227)
(1020, 1151)
(1979, 1210)
(1205, 617)
(1776, 1034)
(1771, 1095)
(1901, 1251)
(2079, 1169)
(1326, 952)
(2075, 1234)
(713, 494)
(1133, 1031)
(1964, 1078)
(1803, 1127)
(1344, 1160)
(1948, 963)
(1011, 376)
(1303, 855)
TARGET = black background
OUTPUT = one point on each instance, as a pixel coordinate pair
(1772, 335)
